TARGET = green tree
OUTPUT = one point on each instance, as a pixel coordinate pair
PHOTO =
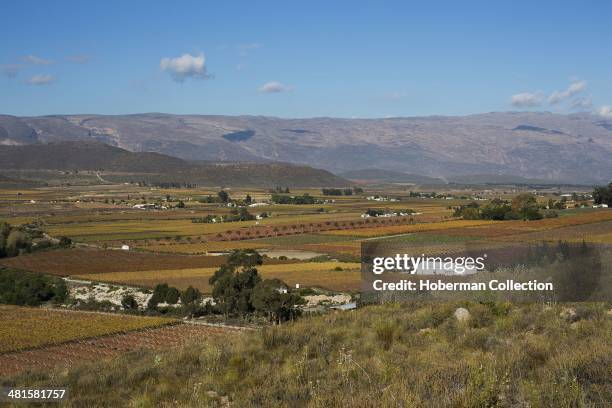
(190, 295)
(247, 258)
(223, 196)
(16, 242)
(234, 282)
(526, 206)
(163, 294)
(129, 302)
(270, 300)
(470, 213)
(496, 209)
(603, 195)
(172, 295)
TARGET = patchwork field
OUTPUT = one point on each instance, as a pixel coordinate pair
(337, 276)
(144, 229)
(166, 246)
(76, 261)
(25, 328)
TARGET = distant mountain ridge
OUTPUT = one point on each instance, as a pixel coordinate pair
(535, 145)
(156, 167)
(389, 176)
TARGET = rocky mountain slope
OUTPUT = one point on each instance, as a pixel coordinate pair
(572, 148)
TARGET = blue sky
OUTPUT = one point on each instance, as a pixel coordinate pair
(305, 59)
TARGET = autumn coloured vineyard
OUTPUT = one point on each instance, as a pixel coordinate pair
(26, 328)
(76, 352)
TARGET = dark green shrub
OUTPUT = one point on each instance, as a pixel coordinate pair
(129, 303)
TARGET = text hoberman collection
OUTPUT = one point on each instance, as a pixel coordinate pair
(438, 285)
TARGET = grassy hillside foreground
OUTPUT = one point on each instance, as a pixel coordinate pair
(392, 355)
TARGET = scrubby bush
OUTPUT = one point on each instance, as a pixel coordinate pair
(13, 240)
(163, 294)
(65, 242)
(129, 302)
(30, 289)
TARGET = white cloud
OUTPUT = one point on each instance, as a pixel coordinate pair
(575, 88)
(41, 80)
(582, 103)
(78, 59)
(32, 59)
(527, 99)
(605, 111)
(185, 66)
(273, 87)
(11, 70)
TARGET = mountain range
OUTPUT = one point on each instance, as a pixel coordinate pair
(119, 165)
(538, 145)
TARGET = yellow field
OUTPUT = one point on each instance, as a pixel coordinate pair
(160, 228)
(308, 274)
(24, 327)
(598, 238)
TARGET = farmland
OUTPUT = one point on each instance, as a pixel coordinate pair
(167, 245)
(330, 275)
(117, 250)
(79, 351)
(88, 260)
(24, 328)
(403, 229)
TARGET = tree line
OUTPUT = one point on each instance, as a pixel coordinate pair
(522, 207)
(298, 200)
(341, 191)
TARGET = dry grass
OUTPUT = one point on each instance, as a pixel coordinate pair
(412, 355)
(24, 328)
